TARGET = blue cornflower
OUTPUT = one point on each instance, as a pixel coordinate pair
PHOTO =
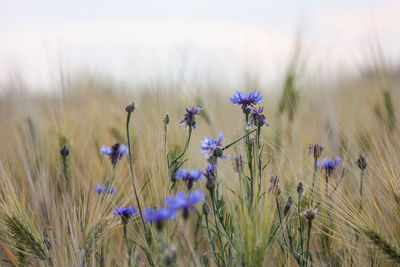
(246, 100)
(125, 212)
(157, 216)
(213, 147)
(185, 202)
(189, 177)
(189, 118)
(257, 117)
(115, 152)
(329, 165)
(100, 188)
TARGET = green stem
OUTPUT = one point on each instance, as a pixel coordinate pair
(259, 161)
(308, 240)
(212, 243)
(361, 189)
(216, 219)
(127, 246)
(133, 177)
(313, 181)
(240, 138)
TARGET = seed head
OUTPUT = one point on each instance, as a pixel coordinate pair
(288, 204)
(64, 151)
(362, 162)
(310, 214)
(300, 188)
(130, 108)
(166, 119)
(206, 209)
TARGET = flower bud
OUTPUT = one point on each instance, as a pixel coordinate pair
(218, 152)
(130, 108)
(287, 206)
(64, 151)
(247, 110)
(206, 209)
(300, 188)
(362, 162)
(310, 214)
(166, 119)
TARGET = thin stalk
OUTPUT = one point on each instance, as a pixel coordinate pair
(65, 170)
(259, 160)
(166, 144)
(240, 138)
(216, 220)
(127, 246)
(361, 188)
(185, 148)
(133, 177)
(313, 181)
(212, 243)
(308, 240)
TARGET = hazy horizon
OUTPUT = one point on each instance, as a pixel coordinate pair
(134, 41)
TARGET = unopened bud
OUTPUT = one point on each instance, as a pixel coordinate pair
(166, 119)
(64, 151)
(130, 108)
(206, 209)
(362, 162)
(310, 214)
(218, 152)
(287, 206)
(300, 188)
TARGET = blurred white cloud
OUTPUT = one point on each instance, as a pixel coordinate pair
(132, 40)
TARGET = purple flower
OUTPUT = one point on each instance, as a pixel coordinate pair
(159, 215)
(189, 176)
(213, 147)
(257, 117)
(246, 100)
(115, 152)
(189, 118)
(185, 202)
(101, 189)
(329, 165)
(125, 212)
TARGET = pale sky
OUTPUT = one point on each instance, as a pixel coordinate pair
(141, 40)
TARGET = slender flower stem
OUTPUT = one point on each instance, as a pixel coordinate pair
(134, 177)
(313, 181)
(361, 188)
(185, 148)
(172, 165)
(308, 240)
(216, 219)
(127, 246)
(166, 144)
(259, 160)
(65, 169)
(212, 243)
(240, 138)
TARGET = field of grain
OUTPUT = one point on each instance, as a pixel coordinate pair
(273, 198)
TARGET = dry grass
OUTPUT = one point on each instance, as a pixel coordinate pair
(36, 203)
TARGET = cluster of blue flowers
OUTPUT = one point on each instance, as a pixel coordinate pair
(213, 149)
(181, 201)
(101, 189)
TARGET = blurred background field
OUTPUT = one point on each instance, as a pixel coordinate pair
(349, 101)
